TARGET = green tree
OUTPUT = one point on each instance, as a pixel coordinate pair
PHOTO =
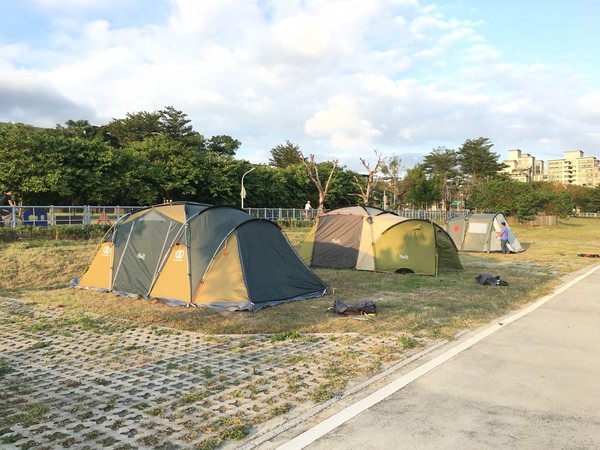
(82, 129)
(171, 167)
(135, 127)
(220, 180)
(443, 164)
(478, 163)
(592, 203)
(581, 196)
(523, 200)
(285, 155)
(223, 145)
(175, 123)
(421, 191)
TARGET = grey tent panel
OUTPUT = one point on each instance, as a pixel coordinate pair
(137, 254)
(337, 241)
(207, 231)
(282, 276)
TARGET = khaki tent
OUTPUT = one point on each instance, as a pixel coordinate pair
(367, 238)
(477, 233)
(189, 253)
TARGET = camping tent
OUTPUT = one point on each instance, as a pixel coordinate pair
(477, 233)
(367, 238)
(191, 253)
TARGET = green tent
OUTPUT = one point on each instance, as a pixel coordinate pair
(190, 253)
(368, 238)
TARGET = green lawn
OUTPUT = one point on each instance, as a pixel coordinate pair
(39, 271)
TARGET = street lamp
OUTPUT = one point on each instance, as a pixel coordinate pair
(243, 191)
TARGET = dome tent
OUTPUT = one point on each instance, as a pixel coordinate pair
(477, 233)
(368, 238)
(195, 254)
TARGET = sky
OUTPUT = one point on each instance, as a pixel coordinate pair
(340, 79)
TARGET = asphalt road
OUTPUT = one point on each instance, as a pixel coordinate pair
(531, 380)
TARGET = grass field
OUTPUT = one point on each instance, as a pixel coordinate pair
(39, 272)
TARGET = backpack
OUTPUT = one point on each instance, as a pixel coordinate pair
(363, 307)
(486, 279)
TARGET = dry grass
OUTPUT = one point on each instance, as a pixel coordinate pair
(40, 272)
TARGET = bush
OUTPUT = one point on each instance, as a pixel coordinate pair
(57, 232)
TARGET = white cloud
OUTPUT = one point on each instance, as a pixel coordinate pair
(337, 77)
(343, 124)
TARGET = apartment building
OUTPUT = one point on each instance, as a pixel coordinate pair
(523, 167)
(574, 168)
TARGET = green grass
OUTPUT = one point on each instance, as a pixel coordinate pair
(40, 271)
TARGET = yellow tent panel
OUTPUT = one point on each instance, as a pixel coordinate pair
(99, 274)
(224, 280)
(174, 279)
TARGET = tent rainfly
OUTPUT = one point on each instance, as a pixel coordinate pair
(186, 253)
(477, 233)
(367, 238)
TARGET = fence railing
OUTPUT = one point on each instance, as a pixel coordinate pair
(15, 216)
(42, 216)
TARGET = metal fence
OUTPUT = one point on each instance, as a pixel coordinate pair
(43, 216)
(89, 215)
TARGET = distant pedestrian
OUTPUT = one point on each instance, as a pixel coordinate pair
(503, 236)
(307, 208)
(4, 211)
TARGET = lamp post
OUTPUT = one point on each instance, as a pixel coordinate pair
(243, 191)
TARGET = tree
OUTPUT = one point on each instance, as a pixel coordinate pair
(366, 187)
(175, 123)
(391, 168)
(523, 200)
(592, 203)
(173, 168)
(423, 191)
(135, 128)
(223, 145)
(285, 155)
(442, 163)
(478, 163)
(82, 129)
(581, 196)
(312, 171)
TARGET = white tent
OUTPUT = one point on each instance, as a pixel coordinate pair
(477, 233)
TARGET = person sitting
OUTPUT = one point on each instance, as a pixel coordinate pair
(6, 202)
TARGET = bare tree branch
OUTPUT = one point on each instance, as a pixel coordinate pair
(365, 193)
(312, 171)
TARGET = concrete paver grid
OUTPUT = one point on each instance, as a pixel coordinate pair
(76, 383)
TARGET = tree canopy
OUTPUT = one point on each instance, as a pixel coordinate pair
(151, 157)
(285, 155)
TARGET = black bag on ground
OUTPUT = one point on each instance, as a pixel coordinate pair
(486, 279)
(363, 307)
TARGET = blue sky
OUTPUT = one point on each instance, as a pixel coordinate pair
(338, 78)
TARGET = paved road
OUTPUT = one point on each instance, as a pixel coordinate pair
(530, 381)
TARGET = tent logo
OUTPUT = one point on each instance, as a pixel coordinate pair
(401, 256)
(106, 250)
(141, 256)
(179, 255)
